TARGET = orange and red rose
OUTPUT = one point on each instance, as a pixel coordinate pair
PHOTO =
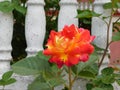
(69, 46)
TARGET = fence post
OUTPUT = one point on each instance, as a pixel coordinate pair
(67, 14)
(35, 26)
(6, 31)
(99, 27)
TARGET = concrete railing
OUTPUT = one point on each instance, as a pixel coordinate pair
(6, 31)
(35, 27)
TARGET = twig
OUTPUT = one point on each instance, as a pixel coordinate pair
(107, 44)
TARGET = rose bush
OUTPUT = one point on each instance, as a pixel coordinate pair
(68, 49)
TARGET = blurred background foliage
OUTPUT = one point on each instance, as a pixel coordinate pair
(18, 41)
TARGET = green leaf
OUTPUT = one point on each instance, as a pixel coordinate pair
(107, 71)
(77, 68)
(87, 14)
(107, 5)
(10, 81)
(115, 3)
(55, 69)
(89, 86)
(20, 9)
(30, 66)
(84, 14)
(94, 14)
(116, 36)
(109, 79)
(107, 87)
(7, 75)
(118, 4)
(6, 78)
(42, 56)
(2, 83)
(117, 75)
(86, 75)
(53, 82)
(37, 85)
(118, 81)
(82, 65)
(98, 48)
(97, 88)
(6, 6)
(97, 81)
(105, 17)
(93, 68)
(17, 2)
(104, 87)
(53, 79)
(47, 78)
(85, 21)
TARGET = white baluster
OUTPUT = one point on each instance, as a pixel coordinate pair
(81, 5)
(6, 31)
(35, 26)
(99, 27)
(67, 14)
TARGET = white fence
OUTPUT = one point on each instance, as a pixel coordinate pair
(35, 27)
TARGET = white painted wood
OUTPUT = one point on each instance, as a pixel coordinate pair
(6, 31)
(67, 14)
(35, 26)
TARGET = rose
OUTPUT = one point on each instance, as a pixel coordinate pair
(69, 46)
